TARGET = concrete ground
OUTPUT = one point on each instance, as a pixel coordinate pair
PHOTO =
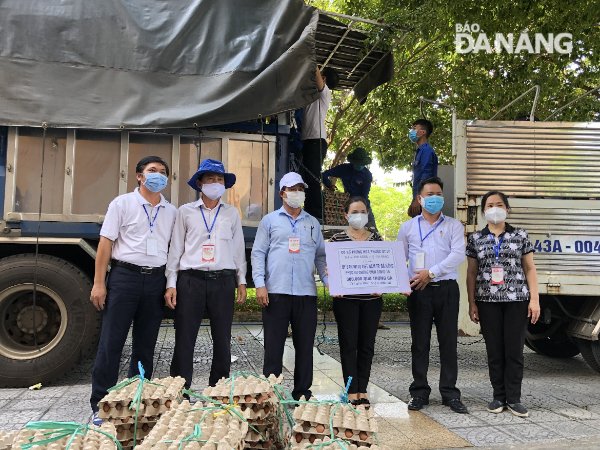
(563, 395)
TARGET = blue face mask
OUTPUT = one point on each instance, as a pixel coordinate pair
(412, 135)
(433, 204)
(358, 167)
(155, 182)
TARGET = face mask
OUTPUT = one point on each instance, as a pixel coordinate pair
(358, 167)
(358, 220)
(432, 204)
(294, 199)
(155, 182)
(495, 215)
(412, 135)
(213, 190)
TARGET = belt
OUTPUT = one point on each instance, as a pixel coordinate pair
(144, 270)
(211, 274)
(440, 283)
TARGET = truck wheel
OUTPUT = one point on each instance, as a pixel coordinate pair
(590, 350)
(42, 342)
(555, 346)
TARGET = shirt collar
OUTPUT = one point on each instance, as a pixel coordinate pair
(507, 229)
(441, 218)
(200, 203)
(142, 201)
(283, 211)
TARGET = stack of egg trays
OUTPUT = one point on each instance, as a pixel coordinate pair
(354, 425)
(258, 404)
(88, 441)
(158, 396)
(220, 429)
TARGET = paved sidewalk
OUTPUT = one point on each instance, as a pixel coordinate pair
(563, 395)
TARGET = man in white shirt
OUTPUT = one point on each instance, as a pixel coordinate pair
(134, 238)
(435, 247)
(207, 261)
(314, 139)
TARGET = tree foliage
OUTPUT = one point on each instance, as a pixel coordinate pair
(389, 208)
(421, 37)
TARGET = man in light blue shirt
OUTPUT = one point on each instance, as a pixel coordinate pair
(287, 247)
(435, 247)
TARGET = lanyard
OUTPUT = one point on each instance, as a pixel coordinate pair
(427, 235)
(497, 246)
(293, 224)
(212, 225)
(153, 221)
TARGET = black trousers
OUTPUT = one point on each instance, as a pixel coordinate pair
(437, 305)
(313, 154)
(301, 312)
(197, 296)
(131, 298)
(357, 327)
(503, 326)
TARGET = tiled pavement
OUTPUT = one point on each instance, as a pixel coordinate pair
(563, 395)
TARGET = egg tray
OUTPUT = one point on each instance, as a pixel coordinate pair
(158, 395)
(220, 428)
(91, 440)
(344, 416)
(334, 446)
(125, 431)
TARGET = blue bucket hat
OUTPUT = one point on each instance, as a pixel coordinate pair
(212, 166)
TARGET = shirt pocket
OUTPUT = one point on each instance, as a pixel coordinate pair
(225, 233)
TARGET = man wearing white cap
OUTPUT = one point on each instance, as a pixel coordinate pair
(287, 247)
(207, 261)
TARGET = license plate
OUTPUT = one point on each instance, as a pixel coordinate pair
(580, 245)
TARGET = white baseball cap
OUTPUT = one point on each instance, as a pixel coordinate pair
(291, 179)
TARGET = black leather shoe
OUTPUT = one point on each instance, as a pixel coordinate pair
(417, 403)
(456, 405)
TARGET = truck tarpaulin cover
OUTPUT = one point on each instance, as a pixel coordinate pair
(153, 63)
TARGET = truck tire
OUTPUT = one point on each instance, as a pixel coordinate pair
(556, 346)
(39, 344)
(590, 350)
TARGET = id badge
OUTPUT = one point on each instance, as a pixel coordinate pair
(151, 247)
(294, 245)
(208, 252)
(419, 260)
(497, 275)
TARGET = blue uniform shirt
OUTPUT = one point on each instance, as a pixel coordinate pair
(274, 266)
(425, 166)
(356, 182)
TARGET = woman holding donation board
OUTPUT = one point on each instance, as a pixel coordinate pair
(503, 295)
(357, 316)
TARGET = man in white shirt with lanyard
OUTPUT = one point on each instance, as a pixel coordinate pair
(134, 238)
(435, 247)
(207, 262)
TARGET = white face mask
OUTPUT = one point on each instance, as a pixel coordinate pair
(358, 220)
(294, 199)
(495, 215)
(213, 190)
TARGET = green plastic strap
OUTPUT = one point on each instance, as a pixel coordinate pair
(60, 430)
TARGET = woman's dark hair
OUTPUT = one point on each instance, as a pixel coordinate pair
(354, 200)
(489, 194)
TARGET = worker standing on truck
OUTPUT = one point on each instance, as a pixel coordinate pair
(134, 238)
(207, 262)
(503, 293)
(435, 248)
(425, 162)
(314, 139)
(287, 247)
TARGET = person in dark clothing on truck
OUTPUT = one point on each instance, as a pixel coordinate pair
(355, 176)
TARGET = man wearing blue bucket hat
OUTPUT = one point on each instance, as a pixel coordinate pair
(206, 263)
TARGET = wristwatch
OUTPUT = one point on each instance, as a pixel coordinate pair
(431, 275)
